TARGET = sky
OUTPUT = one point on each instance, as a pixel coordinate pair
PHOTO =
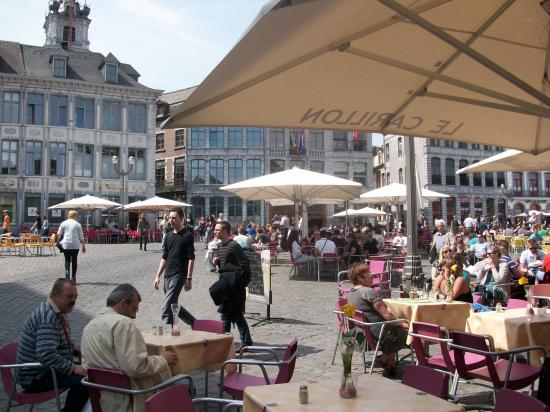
(173, 44)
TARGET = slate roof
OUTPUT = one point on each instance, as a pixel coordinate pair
(34, 61)
(177, 97)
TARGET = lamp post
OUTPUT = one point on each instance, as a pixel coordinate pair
(123, 173)
(506, 193)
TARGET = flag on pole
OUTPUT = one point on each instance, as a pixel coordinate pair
(302, 146)
(355, 135)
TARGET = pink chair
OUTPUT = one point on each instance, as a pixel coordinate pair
(502, 373)
(177, 396)
(328, 262)
(8, 359)
(111, 380)
(213, 326)
(273, 250)
(236, 382)
(512, 401)
(516, 304)
(382, 277)
(427, 380)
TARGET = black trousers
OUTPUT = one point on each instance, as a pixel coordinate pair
(71, 259)
(172, 289)
(77, 395)
(142, 240)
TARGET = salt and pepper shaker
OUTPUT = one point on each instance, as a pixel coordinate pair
(304, 395)
(498, 308)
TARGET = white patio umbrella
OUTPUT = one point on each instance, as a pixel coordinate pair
(154, 204)
(87, 203)
(457, 70)
(366, 211)
(510, 161)
(296, 185)
(396, 193)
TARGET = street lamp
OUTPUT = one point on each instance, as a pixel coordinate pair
(506, 193)
(123, 173)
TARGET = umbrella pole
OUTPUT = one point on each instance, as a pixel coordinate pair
(412, 206)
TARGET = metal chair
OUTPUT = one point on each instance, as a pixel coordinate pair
(427, 380)
(213, 326)
(178, 397)
(342, 300)
(236, 382)
(8, 359)
(328, 262)
(111, 380)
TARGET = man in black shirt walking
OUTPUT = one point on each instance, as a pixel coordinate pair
(231, 255)
(178, 258)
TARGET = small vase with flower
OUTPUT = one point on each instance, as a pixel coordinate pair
(351, 339)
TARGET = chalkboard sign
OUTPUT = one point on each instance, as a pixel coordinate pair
(259, 288)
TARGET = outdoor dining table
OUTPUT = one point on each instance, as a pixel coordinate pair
(374, 393)
(451, 315)
(196, 350)
(512, 329)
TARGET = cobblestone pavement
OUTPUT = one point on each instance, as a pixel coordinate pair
(304, 305)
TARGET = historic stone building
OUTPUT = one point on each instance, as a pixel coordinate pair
(65, 112)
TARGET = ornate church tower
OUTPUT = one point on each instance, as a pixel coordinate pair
(67, 25)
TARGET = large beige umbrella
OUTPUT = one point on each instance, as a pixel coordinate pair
(86, 203)
(154, 204)
(510, 161)
(296, 185)
(464, 70)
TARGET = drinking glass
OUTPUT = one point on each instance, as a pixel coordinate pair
(175, 314)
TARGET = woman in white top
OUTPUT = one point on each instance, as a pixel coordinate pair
(296, 249)
(71, 235)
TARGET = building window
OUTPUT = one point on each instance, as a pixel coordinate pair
(254, 137)
(517, 183)
(450, 178)
(179, 171)
(234, 208)
(277, 138)
(462, 145)
(58, 158)
(198, 137)
(137, 118)
(160, 173)
(159, 141)
(84, 113)
(434, 142)
(546, 178)
(499, 149)
(9, 157)
(387, 152)
(198, 171)
(400, 175)
(58, 110)
(10, 108)
(216, 205)
(138, 171)
(83, 160)
(295, 136)
(448, 143)
(66, 34)
(33, 158)
(235, 137)
(315, 141)
(35, 108)
(59, 67)
(317, 166)
(180, 138)
(32, 204)
(436, 171)
(501, 179)
(235, 170)
(436, 209)
(477, 176)
(464, 177)
(533, 183)
(451, 208)
(253, 168)
(478, 206)
(475, 146)
(464, 207)
(216, 137)
(399, 146)
(107, 168)
(360, 173)
(487, 147)
(111, 116)
(339, 141)
(359, 142)
(276, 165)
(489, 179)
(253, 210)
(216, 172)
(198, 210)
(388, 179)
(490, 204)
(111, 73)
(341, 170)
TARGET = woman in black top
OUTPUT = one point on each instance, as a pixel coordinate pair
(371, 244)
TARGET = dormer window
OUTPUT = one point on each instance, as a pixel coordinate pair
(59, 67)
(111, 73)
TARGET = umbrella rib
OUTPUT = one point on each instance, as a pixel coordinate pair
(299, 60)
(451, 59)
(447, 79)
(481, 59)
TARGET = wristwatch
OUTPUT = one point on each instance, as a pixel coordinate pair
(189, 278)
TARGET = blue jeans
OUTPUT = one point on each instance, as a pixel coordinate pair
(77, 395)
(240, 321)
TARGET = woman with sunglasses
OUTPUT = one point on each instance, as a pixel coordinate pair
(494, 276)
(454, 280)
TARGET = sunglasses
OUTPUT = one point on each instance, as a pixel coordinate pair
(492, 253)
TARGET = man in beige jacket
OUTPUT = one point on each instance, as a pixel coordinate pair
(112, 340)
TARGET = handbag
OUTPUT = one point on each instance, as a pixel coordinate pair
(58, 243)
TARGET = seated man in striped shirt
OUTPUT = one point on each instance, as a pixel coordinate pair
(46, 338)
